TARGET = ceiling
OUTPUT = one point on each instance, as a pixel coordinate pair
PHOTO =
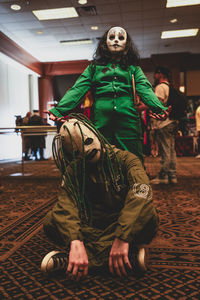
(143, 19)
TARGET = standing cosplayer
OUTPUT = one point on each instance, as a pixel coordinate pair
(109, 77)
(104, 215)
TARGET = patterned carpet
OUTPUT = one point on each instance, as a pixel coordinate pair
(174, 261)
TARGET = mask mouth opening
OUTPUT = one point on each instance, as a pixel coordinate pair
(92, 154)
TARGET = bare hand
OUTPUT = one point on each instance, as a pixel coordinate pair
(53, 117)
(78, 260)
(118, 258)
(161, 117)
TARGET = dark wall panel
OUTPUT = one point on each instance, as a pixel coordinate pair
(62, 83)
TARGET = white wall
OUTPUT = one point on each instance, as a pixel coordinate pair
(15, 100)
(14, 87)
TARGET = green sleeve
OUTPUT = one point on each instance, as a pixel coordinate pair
(73, 96)
(138, 207)
(66, 217)
(145, 91)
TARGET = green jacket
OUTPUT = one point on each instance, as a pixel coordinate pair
(114, 112)
(130, 208)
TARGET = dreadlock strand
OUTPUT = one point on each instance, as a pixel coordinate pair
(69, 185)
(74, 165)
(83, 165)
(60, 162)
(83, 196)
(80, 190)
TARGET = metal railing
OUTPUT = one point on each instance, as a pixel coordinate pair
(28, 131)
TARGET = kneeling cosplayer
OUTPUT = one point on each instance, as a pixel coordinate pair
(104, 215)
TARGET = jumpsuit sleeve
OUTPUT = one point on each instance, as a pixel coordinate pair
(65, 216)
(145, 91)
(138, 207)
(73, 96)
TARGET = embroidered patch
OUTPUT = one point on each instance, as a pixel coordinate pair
(141, 190)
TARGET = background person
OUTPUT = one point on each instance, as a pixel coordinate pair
(37, 141)
(27, 139)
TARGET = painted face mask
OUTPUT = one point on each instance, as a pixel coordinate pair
(116, 39)
(80, 140)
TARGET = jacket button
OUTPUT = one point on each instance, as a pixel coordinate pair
(115, 77)
(115, 107)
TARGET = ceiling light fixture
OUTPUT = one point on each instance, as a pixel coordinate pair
(94, 27)
(77, 42)
(55, 13)
(15, 7)
(179, 33)
(82, 1)
(39, 32)
(177, 3)
(173, 21)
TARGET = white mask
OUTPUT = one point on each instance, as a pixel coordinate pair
(116, 39)
(92, 145)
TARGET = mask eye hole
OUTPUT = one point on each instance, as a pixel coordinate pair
(121, 38)
(88, 141)
(112, 37)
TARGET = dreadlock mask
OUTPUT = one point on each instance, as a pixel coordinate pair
(80, 141)
(116, 39)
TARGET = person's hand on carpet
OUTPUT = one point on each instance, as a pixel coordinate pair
(118, 258)
(78, 260)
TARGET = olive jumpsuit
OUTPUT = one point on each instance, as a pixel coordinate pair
(126, 212)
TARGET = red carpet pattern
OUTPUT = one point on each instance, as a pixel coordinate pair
(174, 261)
(22, 279)
(23, 204)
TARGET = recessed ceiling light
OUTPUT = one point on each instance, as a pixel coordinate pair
(94, 27)
(55, 13)
(173, 21)
(179, 33)
(176, 3)
(15, 7)
(82, 1)
(39, 32)
(77, 42)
